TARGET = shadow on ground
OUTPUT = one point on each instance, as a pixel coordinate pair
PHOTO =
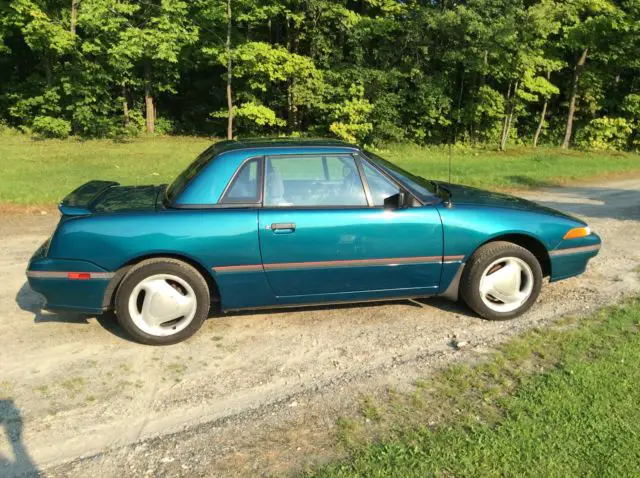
(437, 302)
(17, 463)
(30, 301)
(621, 204)
(527, 182)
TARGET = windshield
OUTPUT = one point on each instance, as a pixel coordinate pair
(419, 186)
(185, 176)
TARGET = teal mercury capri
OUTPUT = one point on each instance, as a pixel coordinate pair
(275, 223)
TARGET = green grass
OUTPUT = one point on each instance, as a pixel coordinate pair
(518, 167)
(560, 402)
(43, 172)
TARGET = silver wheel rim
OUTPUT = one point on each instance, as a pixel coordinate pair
(506, 284)
(162, 304)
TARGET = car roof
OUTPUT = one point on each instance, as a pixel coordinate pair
(268, 143)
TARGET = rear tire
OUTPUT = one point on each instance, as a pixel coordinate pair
(162, 301)
(501, 281)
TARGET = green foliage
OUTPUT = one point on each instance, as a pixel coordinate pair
(631, 106)
(164, 125)
(351, 118)
(260, 115)
(606, 133)
(426, 71)
(488, 114)
(49, 127)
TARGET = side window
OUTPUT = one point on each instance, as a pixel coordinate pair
(244, 188)
(380, 186)
(313, 181)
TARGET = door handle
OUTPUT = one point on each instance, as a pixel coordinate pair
(283, 227)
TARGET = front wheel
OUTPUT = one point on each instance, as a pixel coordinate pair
(162, 301)
(501, 281)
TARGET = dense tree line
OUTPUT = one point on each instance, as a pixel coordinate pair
(430, 71)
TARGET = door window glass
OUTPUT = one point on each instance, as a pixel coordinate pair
(244, 188)
(380, 186)
(313, 181)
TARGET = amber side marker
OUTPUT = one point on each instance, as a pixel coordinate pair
(577, 232)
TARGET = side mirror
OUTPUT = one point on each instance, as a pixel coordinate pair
(397, 201)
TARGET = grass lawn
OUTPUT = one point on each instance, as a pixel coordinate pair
(516, 168)
(559, 402)
(43, 172)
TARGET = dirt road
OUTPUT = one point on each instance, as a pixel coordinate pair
(250, 392)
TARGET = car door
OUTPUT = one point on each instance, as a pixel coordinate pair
(323, 233)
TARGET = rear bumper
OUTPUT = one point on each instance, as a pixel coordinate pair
(570, 258)
(77, 286)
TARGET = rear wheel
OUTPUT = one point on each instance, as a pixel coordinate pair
(162, 301)
(501, 281)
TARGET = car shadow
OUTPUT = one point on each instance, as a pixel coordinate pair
(18, 463)
(529, 182)
(594, 202)
(30, 301)
(458, 308)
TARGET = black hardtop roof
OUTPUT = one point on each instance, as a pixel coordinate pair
(254, 143)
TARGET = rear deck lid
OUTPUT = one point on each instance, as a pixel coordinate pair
(109, 196)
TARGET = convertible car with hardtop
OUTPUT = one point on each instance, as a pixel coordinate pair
(274, 223)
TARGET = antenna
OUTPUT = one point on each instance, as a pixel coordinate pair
(449, 163)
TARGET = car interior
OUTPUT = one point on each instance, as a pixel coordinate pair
(317, 181)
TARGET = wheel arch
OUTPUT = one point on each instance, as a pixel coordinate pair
(110, 292)
(531, 243)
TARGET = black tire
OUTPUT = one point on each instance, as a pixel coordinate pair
(151, 267)
(476, 266)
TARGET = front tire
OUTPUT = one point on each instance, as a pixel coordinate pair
(501, 281)
(162, 301)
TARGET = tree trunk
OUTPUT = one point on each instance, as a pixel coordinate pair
(125, 105)
(458, 110)
(485, 63)
(292, 107)
(148, 100)
(506, 119)
(229, 75)
(291, 119)
(74, 16)
(543, 114)
(574, 93)
(46, 64)
(509, 118)
(540, 123)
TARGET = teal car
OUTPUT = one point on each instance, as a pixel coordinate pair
(277, 223)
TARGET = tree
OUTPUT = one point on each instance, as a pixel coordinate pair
(373, 71)
(152, 40)
(229, 73)
(586, 25)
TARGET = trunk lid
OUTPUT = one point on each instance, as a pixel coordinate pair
(109, 197)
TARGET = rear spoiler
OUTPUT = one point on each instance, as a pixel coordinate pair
(79, 202)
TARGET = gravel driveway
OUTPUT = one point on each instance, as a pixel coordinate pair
(250, 392)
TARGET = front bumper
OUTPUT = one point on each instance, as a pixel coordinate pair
(71, 285)
(571, 256)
